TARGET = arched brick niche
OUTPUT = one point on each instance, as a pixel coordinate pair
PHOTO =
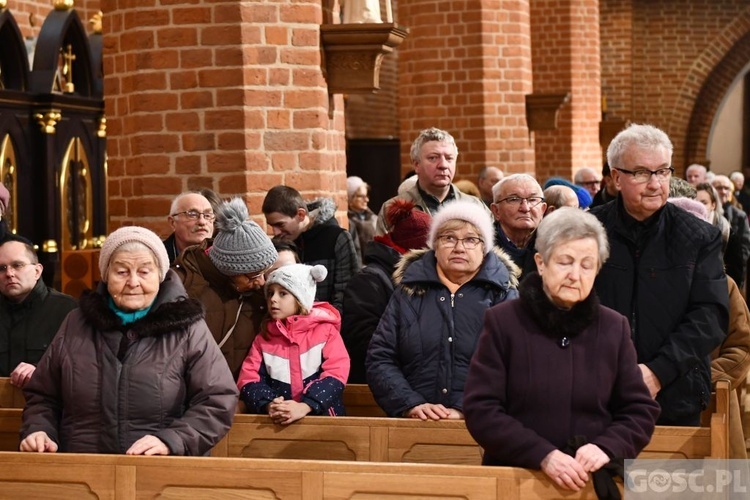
(707, 84)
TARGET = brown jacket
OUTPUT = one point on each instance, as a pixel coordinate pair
(731, 361)
(222, 303)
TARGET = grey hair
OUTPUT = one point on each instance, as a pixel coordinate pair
(429, 135)
(497, 188)
(578, 178)
(567, 224)
(136, 246)
(176, 201)
(645, 136)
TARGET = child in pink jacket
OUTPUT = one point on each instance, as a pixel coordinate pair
(298, 365)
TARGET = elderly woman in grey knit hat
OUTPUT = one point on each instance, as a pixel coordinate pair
(134, 369)
(226, 274)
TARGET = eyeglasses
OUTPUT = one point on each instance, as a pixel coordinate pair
(450, 241)
(360, 196)
(590, 183)
(195, 215)
(516, 201)
(16, 266)
(643, 175)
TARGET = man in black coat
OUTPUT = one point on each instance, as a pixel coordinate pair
(30, 313)
(664, 274)
(739, 232)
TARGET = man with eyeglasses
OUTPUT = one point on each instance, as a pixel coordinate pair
(664, 274)
(433, 155)
(30, 312)
(518, 208)
(227, 273)
(192, 219)
(587, 177)
(739, 234)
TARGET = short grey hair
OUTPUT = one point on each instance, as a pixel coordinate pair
(176, 200)
(645, 136)
(497, 188)
(567, 224)
(578, 178)
(429, 135)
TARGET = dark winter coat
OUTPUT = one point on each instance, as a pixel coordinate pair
(666, 276)
(330, 245)
(225, 307)
(738, 245)
(421, 349)
(527, 395)
(101, 386)
(365, 300)
(27, 328)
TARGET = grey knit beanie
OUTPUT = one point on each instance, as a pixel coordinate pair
(299, 280)
(240, 245)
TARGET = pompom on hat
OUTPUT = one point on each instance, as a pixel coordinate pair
(300, 280)
(409, 226)
(129, 234)
(240, 245)
(466, 211)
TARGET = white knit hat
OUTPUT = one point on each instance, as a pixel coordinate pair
(466, 211)
(128, 234)
(299, 280)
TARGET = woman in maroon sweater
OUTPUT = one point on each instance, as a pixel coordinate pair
(555, 368)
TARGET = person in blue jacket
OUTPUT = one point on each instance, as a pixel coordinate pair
(419, 354)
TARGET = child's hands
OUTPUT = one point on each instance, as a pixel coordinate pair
(285, 412)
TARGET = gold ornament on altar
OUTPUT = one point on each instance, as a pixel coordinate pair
(63, 4)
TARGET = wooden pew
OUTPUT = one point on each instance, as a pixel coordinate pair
(70, 476)
(407, 440)
(369, 439)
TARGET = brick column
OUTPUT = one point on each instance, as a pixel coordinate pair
(227, 95)
(565, 41)
(465, 68)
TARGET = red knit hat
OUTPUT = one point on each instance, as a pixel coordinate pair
(409, 226)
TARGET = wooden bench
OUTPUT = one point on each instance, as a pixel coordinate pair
(71, 476)
(406, 440)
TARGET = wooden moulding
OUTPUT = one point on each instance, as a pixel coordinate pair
(354, 53)
(542, 109)
(609, 128)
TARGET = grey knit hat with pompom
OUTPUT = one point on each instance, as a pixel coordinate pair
(240, 245)
(299, 280)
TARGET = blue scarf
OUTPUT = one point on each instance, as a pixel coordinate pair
(127, 317)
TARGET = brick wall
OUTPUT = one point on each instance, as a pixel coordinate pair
(465, 68)
(675, 46)
(226, 95)
(565, 42)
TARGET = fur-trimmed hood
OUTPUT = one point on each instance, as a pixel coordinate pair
(321, 210)
(171, 310)
(417, 270)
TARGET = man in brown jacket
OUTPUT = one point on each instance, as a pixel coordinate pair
(731, 361)
(226, 274)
